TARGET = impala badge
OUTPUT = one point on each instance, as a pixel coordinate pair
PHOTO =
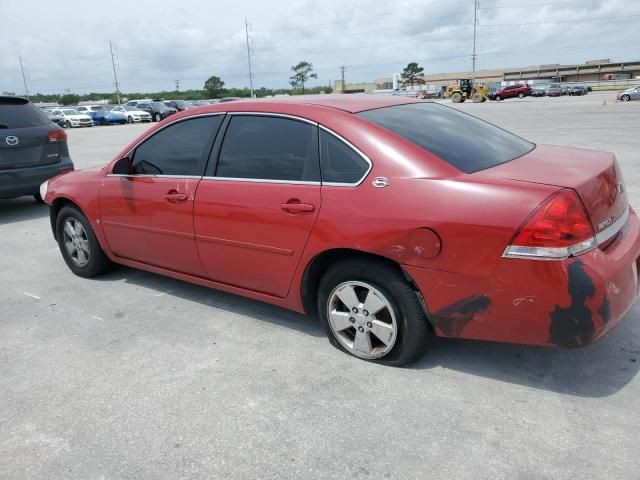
(380, 182)
(606, 223)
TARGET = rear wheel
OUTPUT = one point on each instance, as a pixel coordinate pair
(521, 95)
(67, 124)
(498, 98)
(79, 245)
(371, 312)
(625, 98)
(129, 119)
(456, 97)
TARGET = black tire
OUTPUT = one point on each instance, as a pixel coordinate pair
(414, 333)
(625, 98)
(157, 117)
(129, 119)
(98, 262)
(498, 98)
(38, 198)
(521, 95)
(67, 124)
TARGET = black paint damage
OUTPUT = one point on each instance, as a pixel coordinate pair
(452, 319)
(605, 310)
(572, 327)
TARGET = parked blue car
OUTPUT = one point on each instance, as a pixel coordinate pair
(102, 116)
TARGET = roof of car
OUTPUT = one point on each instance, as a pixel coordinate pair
(352, 103)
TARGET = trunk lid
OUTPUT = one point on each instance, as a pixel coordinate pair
(594, 175)
(26, 147)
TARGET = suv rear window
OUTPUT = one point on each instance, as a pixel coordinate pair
(20, 113)
(464, 141)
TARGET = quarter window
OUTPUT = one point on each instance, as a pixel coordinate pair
(178, 149)
(340, 163)
(269, 148)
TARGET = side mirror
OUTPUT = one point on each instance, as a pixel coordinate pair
(124, 166)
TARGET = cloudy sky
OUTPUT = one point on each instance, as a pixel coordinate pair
(65, 45)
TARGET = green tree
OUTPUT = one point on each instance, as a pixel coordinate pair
(69, 99)
(412, 75)
(302, 72)
(214, 87)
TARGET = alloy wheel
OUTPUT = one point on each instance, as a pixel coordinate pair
(76, 242)
(362, 319)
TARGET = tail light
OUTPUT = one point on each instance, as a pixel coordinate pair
(57, 135)
(559, 228)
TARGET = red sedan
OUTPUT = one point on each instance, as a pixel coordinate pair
(394, 220)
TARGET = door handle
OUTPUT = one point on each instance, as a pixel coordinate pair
(174, 196)
(297, 207)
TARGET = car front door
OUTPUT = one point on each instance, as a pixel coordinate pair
(147, 215)
(255, 209)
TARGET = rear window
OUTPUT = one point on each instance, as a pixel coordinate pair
(18, 113)
(464, 141)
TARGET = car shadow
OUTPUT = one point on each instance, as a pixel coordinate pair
(599, 370)
(21, 209)
(215, 298)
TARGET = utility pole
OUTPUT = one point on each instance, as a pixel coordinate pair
(24, 79)
(113, 64)
(177, 85)
(476, 4)
(246, 31)
(342, 69)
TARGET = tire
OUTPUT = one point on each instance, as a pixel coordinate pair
(129, 119)
(498, 98)
(477, 97)
(38, 198)
(521, 95)
(625, 98)
(67, 124)
(157, 117)
(96, 261)
(402, 320)
(456, 97)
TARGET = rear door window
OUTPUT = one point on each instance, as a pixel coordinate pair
(179, 149)
(464, 141)
(269, 148)
(20, 113)
(340, 163)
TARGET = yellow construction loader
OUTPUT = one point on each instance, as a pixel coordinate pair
(464, 89)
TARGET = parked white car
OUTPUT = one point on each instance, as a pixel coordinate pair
(72, 118)
(132, 114)
(134, 103)
(89, 108)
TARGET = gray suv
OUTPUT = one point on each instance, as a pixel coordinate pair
(32, 148)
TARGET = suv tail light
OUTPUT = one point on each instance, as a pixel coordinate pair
(57, 135)
(559, 228)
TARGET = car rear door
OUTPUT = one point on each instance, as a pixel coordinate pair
(147, 216)
(24, 135)
(255, 209)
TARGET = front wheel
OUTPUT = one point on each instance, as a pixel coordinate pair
(157, 117)
(371, 312)
(79, 245)
(129, 119)
(521, 95)
(498, 98)
(625, 98)
(67, 124)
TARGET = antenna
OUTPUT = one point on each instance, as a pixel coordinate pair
(476, 4)
(246, 30)
(24, 78)
(113, 64)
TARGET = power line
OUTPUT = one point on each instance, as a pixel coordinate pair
(113, 64)
(575, 20)
(476, 4)
(342, 69)
(531, 5)
(24, 78)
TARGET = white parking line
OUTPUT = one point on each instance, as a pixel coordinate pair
(30, 295)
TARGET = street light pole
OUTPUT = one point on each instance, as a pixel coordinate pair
(246, 31)
(24, 79)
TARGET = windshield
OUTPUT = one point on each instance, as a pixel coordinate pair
(130, 109)
(97, 109)
(158, 105)
(437, 129)
(70, 111)
(15, 113)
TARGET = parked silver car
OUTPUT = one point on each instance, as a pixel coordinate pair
(630, 94)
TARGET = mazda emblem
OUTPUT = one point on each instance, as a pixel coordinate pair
(11, 140)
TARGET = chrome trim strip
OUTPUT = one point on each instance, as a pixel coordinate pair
(614, 228)
(355, 149)
(251, 246)
(269, 114)
(259, 180)
(144, 175)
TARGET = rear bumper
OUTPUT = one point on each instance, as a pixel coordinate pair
(569, 303)
(26, 181)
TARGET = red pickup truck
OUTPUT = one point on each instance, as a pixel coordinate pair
(511, 91)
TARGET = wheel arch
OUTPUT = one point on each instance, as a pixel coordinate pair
(319, 264)
(54, 210)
